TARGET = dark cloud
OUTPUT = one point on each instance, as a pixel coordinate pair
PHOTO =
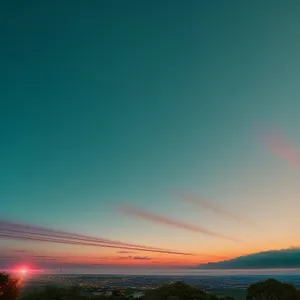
(142, 257)
(125, 252)
(135, 257)
(19, 251)
(286, 258)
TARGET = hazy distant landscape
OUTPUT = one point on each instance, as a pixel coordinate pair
(232, 284)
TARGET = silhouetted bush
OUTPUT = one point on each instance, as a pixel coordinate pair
(177, 291)
(272, 289)
(9, 287)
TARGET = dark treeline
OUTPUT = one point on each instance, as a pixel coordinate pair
(269, 289)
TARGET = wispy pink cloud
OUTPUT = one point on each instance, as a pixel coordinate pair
(283, 149)
(212, 207)
(135, 212)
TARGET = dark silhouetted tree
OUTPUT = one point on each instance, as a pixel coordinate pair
(178, 290)
(9, 287)
(272, 289)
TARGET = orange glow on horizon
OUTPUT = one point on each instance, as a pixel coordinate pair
(86, 258)
(137, 260)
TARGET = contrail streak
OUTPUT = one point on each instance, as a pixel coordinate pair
(35, 233)
(70, 242)
(50, 232)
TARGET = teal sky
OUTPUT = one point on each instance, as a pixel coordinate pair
(112, 103)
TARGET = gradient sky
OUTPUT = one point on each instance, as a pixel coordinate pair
(115, 114)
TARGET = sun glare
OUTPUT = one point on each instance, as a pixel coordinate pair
(22, 271)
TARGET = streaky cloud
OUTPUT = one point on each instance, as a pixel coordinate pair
(34, 233)
(283, 149)
(212, 207)
(135, 212)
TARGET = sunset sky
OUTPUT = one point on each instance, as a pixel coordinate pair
(166, 124)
